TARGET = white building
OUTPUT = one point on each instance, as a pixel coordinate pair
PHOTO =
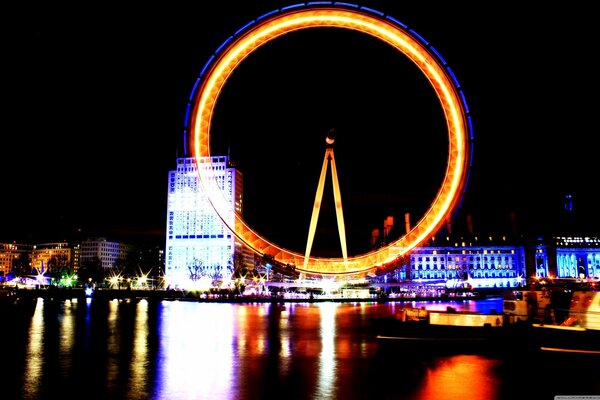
(108, 255)
(200, 248)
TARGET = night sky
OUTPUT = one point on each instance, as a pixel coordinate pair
(94, 101)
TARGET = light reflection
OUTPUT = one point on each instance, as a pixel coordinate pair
(112, 342)
(67, 331)
(35, 353)
(87, 327)
(260, 345)
(285, 352)
(208, 350)
(195, 356)
(327, 361)
(461, 377)
(139, 361)
(242, 340)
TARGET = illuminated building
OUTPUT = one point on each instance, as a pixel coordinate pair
(107, 254)
(200, 248)
(14, 257)
(576, 257)
(479, 265)
(51, 257)
(500, 264)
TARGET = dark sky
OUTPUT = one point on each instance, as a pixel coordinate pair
(94, 99)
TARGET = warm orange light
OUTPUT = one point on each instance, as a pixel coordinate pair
(386, 30)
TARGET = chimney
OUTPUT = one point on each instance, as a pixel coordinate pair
(449, 224)
(374, 237)
(387, 226)
(513, 221)
(407, 222)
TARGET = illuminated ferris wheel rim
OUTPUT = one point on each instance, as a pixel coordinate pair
(346, 16)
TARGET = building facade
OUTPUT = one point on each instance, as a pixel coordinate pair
(499, 263)
(480, 266)
(577, 257)
(108, 255)
(52, 257)
(14, 259)
(200, 248)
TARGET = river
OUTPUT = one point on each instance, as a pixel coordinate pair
(170, 349)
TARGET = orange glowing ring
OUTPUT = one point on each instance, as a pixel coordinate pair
(346, 16)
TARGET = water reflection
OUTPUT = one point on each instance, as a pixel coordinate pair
(195, 358)
(460, 377)
(35, 353)
(112, 342)
(191, 350)
(66, 338)
(139, 359)
(327, 359)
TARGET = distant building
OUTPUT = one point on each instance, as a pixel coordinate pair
(76, 263)
(200, 249)
(577, 257)
(499, 263)
(108, 255)
(51, 257)
(456, 263)
(14, 259)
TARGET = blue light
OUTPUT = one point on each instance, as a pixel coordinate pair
(292, 6)
(464, 100)
(187, 113)
(223, 44)
(206, 65)
(472, 135)
(316, 3)
(267, 14)
(415, 34)
(437, 54)
(373, 11)
(194, 89)
(472, 149)
(339, 3)
(453, 77)
(398, 22)
(243, 28)
(89, 291)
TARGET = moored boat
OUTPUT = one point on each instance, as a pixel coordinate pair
(566, 323)
(450, 331)
(577, 333)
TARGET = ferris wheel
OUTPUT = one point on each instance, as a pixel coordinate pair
(369, 22)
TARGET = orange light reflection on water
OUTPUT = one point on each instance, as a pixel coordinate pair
(460, 377)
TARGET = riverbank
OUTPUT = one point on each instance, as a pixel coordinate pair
(54, 293)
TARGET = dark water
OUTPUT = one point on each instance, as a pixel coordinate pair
(100, 349)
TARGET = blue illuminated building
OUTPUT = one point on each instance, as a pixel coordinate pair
(499, 262)
(200, 248)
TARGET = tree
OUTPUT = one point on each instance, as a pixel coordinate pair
(20, 264)
(195, 269)
(91, 269)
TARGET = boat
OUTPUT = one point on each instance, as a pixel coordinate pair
(441, 332)
(575, 331)
(531, 321)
